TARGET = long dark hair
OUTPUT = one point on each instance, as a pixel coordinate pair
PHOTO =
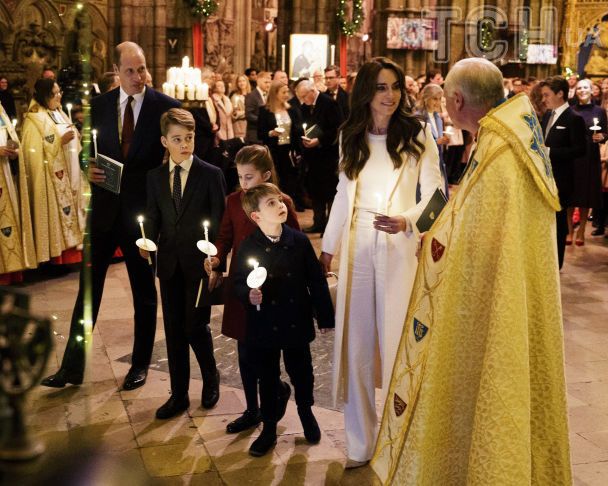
(403, 127)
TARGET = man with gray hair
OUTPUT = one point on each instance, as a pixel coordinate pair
(477, 394)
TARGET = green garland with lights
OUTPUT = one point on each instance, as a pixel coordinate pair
(203, 8)
(350, 27)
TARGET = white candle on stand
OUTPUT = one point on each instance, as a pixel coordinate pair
(282, 57)
(332, 54)
(140, 220)
(179, 91)
(206, 228)
(185, 62)
(69, 108)
(205, 92)
(94, 133)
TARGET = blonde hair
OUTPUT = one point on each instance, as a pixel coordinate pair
(247, 85)
(272, 103)
(258, 156)
(428, 92)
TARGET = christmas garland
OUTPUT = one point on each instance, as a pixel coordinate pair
(350, 27)
(203, 8)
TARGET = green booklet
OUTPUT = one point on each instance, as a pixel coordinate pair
(431, 211)
(113, 173)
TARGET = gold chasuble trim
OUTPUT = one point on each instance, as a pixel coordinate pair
(477, 394)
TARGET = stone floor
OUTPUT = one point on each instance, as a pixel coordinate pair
(114, 432)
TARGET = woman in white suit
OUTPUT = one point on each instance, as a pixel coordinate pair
(385, 152)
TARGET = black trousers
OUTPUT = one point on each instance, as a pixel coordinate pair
(298, 364)
(186, 326)
(143, 290)
(249, 376)
(561, 220)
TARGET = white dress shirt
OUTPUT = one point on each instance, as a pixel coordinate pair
(138, 100)
(183, 175)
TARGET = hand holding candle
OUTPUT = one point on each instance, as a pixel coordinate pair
(143, 242)
(257, 277)
(208, 249)
(94, 133)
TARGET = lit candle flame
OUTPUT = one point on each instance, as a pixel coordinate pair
(140, 219)
(206, 224)
(253, 262)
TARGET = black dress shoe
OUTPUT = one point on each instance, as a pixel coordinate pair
(249, 419)
(266, 441)
(597, 232)
(284, 394)
(135, 378)
(62, 378)
(172, 407)
(211, 391)
(310, 425)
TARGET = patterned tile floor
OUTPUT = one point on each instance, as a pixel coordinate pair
(118, 430)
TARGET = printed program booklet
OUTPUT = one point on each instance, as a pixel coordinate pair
(113, 173)
(431, 211)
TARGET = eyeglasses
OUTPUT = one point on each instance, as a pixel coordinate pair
(58, 93)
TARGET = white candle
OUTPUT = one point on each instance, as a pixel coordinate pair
(255, 264)
(94, 133)
(185, 62)
(282, 57)
(378, 203)
(140, 220)
(191, 92)
(206, 228)
(205, 92)
(14, 122)
(69, 109)
(304, 125)
(179, 91)
(332, 54)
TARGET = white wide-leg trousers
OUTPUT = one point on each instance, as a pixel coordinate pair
(363, 330)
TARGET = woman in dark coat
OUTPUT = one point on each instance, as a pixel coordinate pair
(587, 170)
(280, 129)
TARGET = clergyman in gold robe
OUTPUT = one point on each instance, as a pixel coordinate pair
(16, 241)
(477, 394)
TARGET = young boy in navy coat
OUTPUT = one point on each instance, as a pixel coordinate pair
(295, 290)
(181, 195)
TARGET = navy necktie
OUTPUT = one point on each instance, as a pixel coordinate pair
(177, 188)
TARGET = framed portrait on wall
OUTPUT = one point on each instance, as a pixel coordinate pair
(307, 53)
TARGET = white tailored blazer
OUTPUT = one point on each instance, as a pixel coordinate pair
(399, 251)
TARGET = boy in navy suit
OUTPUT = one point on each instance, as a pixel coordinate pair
(181, 195)
(295, 290)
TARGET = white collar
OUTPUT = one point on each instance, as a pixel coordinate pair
(261, 92)
(559, 110)
(138, 97)
(185, 165)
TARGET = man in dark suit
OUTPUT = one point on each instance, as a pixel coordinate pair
(332, 81)
(127, 122)
(564, 132)
(253, 102)
(181, 195)
(320, 150)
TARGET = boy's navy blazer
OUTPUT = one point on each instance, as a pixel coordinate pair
(177, 233)
(294, 291)
(145, 153)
